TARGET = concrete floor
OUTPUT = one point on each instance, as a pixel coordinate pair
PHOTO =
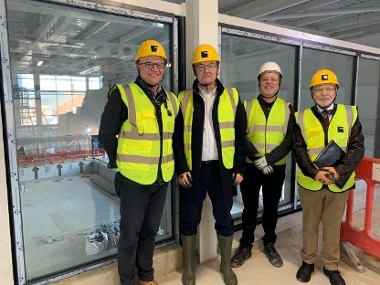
(51, 207)
(54, 235)
(59, 213)
(258, 271)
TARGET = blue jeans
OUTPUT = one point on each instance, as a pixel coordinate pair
(191, 202)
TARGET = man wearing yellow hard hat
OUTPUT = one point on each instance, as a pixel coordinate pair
(323, 196)
(136, 131)
(209, 150)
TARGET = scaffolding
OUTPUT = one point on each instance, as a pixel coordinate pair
(27, 107)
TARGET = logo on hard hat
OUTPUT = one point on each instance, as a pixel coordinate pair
(324, 77)
(154, 48)
(204, 54)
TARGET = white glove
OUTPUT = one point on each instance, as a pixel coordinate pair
(261, 162)
(267, 169)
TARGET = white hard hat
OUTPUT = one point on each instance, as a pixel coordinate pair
(269, 66)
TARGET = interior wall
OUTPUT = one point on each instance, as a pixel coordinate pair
(6, 270)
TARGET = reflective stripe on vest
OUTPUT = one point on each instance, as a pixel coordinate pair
(312, 131)
(226, 117)
(265, 134)
(139, 139)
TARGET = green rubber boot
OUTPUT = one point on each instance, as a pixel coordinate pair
(225, 247)
(188, 246)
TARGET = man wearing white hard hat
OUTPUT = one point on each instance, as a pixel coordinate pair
(270, 122)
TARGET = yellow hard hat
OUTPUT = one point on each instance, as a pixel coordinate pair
(203, 53)
(324, 76)
(150, 48)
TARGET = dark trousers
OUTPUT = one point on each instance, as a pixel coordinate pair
(191, 202)
(141, 209)
(271, 190)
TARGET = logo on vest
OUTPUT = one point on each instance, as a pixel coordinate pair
(340, 129)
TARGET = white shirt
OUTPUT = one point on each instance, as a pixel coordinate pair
(209, 149)
(330, 108)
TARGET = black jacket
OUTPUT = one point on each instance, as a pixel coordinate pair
(197, 138)
(283, 148)
(116, 113)
(354, 154)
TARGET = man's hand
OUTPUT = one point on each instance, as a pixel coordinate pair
(260, 162)
(267, 170)
(185, 180)
(237, 178)
(332, 171)
(332, 175)
(321, 177)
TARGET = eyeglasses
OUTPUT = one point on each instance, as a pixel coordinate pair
(202, 67)
(320, 89)
(150, 65)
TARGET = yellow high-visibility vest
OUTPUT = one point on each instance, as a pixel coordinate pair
(226, 117)
(139, 140)
(267, 135)
(312, 131)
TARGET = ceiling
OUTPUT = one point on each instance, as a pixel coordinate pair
(77, 42)
(45, 40)
(355, 21)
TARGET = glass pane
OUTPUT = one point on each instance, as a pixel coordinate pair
(367, 101)
(241, 59)
(342, 65)
(63, 65)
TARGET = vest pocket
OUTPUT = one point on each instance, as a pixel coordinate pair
(149, 121)
(315, 137)
(138, 154)
(140, 146)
